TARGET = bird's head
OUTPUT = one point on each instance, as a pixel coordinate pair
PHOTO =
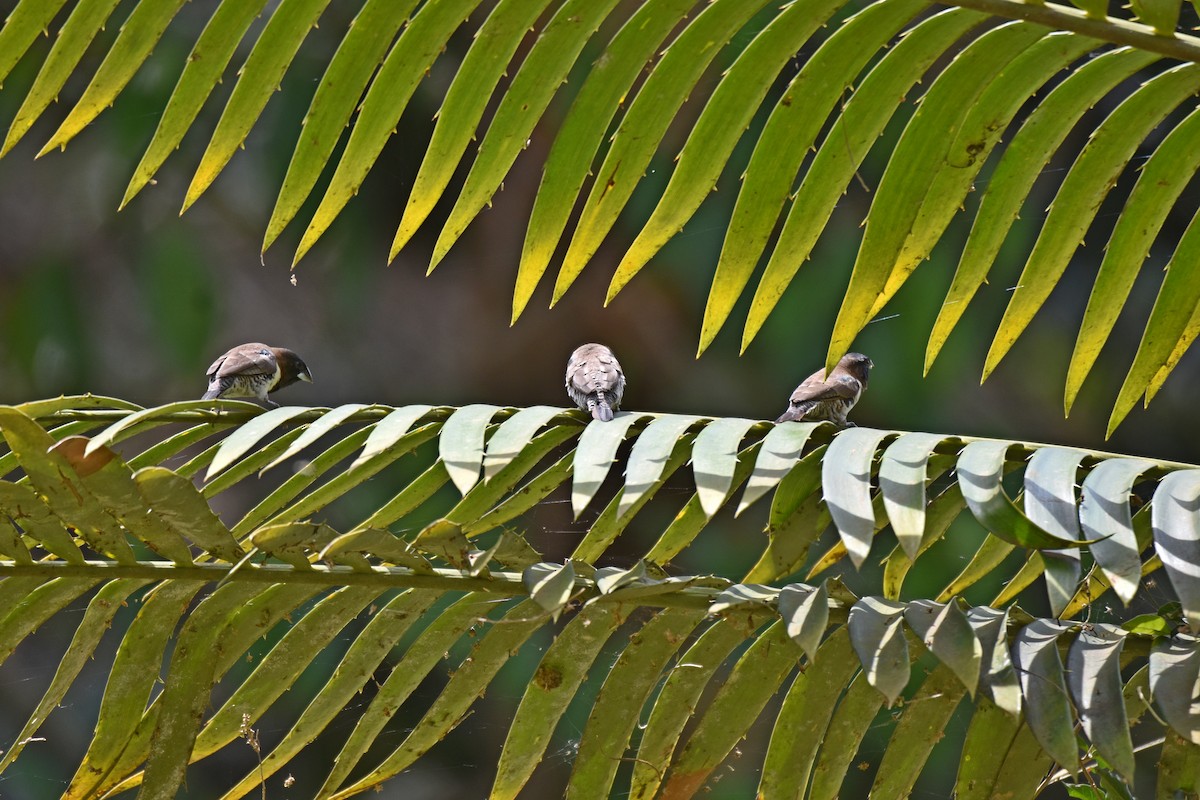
(857, 365)
(291, 367)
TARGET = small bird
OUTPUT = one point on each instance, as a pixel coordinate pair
(595, 381)
(819, 398)
(252, 370)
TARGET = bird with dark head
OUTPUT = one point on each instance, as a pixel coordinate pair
(252, 370)
(819, 398)
(595, 382)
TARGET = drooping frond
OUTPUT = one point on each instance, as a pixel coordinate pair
(998, 85)
(410, 532)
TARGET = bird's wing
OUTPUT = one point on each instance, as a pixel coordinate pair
(843, 387)
(246, 360)
(584, 371)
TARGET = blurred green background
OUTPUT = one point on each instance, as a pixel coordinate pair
(136, 304)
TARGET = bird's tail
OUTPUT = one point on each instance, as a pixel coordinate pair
(600, 408)
(791, 415)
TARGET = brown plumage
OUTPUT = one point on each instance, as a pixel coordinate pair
(819, 398)
(595, 381)
(252, 370)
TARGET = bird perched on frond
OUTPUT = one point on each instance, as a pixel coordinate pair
(595, 381)
(252, 370)
(820, 398)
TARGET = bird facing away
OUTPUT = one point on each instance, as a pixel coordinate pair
(595, 381)
(829, 399)
(252, 370)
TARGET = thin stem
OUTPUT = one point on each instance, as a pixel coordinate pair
(1118, 31)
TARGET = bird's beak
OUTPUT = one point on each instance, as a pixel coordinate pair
(305, 376)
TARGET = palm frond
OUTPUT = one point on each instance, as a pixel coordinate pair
(449, 555)
(990, 70)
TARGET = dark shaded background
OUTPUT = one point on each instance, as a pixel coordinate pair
(137, 304)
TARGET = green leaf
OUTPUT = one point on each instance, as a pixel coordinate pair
(862, 120)
(1162, 15)
(445, 540)
(1047, 705)
(781, 449)
(922, 725)
(558, 677)
(351, 67)
(1094, 675)
(624, 693)
(741, 596)
(570, 159)
(987, 742)
(1161, 180)
(991, 553)
(86, 20)
(23, 507)
(474, 82)
(846, 481)
(355, 671)
(29, 612)
(644, 124)
(877, 633)
(238, 443)
(466, 684)
(108, 478)
(139, 33)
(1052, 505)
(805, 613)
(902, 477)
(947, 633)
(201, 73)
(514, 434)
(323, 425)
(461, 443)
(1174, 669)
(96, 621)
(594, 456)
(976, 136)
(804, 716)
(1039, 137)
(21, 28)
(855, 711)
(280, 668)
(907, 179)
(544, 69)
(1177, 537)
(649, 455)
(389, 430)
(980, 470)
(714, 459)
(1105, 516)
(1178, 767)
(1169, 326)
(550, 585)
(175, 500)
(726, 115)
(999, 678)
(755, 677)
(419, 658)
(59, 485)
(484, 495)
(1095, 170)
(186, 688)
(258, 79)
(678, 700)
(136, 668)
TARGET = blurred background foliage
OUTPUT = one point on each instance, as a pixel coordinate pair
(136, 304)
